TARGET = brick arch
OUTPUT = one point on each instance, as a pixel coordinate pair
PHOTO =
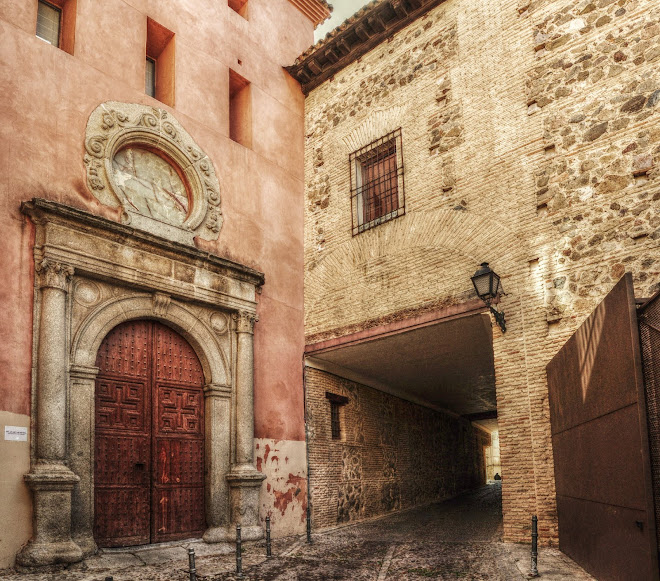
(435, 231)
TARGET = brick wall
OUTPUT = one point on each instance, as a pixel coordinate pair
(392, 454)
(530, 139)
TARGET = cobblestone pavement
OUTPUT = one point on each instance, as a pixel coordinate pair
(458, 539)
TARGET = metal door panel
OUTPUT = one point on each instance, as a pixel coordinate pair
(600, 444)
(604, 539)
(614, 476)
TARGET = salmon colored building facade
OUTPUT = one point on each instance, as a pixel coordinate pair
(152, 268)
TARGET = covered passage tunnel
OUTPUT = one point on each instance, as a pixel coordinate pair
(400, 415)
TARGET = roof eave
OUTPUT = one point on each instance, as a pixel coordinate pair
(354, 38)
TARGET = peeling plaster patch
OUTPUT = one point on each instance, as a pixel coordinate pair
(284, 492)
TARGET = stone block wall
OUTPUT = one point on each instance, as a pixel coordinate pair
(392, 454)
(530, 140)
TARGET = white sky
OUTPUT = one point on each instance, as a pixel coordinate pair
(342, 10)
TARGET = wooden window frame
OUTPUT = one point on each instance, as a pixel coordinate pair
(160, 48)
(67, 26)
(336, 402)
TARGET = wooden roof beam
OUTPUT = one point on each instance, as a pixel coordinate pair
(362, 32)
(399, 8)
(331, 55)
(376, 23)
(313, 65)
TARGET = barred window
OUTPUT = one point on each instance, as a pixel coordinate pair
(377, 182)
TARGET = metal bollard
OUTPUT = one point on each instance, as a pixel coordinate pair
(309, 525)
(239, 556)
(268, 548)
(191, 565)
(535, 549)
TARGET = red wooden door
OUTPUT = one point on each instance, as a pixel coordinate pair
(149, 440)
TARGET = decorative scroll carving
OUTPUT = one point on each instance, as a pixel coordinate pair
(244, 321)
(189, 186)
(54, 274)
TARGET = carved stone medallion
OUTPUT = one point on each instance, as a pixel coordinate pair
(141, 160)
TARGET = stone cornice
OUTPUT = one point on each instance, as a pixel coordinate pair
(370, 26)
(316, 10)
(43, 211)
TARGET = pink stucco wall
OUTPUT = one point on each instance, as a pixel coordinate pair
(48, 96)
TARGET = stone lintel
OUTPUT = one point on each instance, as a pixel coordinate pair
(43, 211)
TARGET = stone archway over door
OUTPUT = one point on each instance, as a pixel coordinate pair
(149, 437)
(92, 275)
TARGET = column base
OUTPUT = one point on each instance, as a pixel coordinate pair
(42, 554)
(51, 485)
(87, 545)
(244, 488)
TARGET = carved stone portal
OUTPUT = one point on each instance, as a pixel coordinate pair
(86, 286)
(141, 160)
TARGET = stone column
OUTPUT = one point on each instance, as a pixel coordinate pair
(50, 479)
(244, 479)
(217, 422)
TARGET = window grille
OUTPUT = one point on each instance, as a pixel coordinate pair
(377, 187)
(48, 23)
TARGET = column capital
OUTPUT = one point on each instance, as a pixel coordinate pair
(54, 274)
(244, 321)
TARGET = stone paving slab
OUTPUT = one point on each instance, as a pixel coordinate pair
(452, 540)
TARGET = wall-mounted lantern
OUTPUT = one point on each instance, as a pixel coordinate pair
(488, 287)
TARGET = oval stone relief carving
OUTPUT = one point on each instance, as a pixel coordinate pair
(140, 159)
(150, 185)
(87, 293)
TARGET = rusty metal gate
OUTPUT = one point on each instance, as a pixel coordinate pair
(600, 444)
(649, 331)
(149, 437)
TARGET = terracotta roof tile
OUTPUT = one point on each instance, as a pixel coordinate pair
(343, 26)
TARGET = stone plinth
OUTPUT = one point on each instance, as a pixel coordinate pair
(52, 485)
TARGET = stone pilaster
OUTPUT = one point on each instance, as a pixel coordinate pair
(81, 454)
(217, 425)
(244, 479)
(50, 480)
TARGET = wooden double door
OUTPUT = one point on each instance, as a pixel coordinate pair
(149, 437)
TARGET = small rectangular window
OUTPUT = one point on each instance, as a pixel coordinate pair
(239, 6)
(150, 78)
(56, 23)
(159, 64)
(377, 193)
(335, 426)
(49, 20)
(336, 402)
(240, 109)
